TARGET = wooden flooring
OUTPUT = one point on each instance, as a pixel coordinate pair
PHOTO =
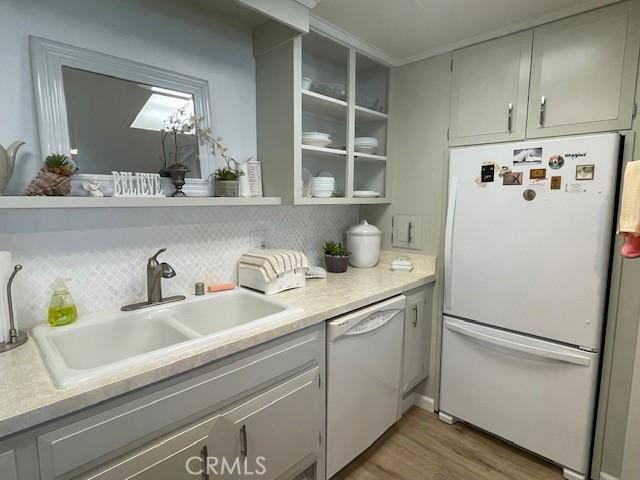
(421, 447)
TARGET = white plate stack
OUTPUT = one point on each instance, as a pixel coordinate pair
(365, 144)
(316, 139)
(323, 187)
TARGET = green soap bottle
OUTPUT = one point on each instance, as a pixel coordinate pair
(62, 308)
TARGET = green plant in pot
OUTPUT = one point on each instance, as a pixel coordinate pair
(227, 179)
(336, 257)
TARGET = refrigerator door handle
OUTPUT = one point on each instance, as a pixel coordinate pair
(448, 244)
(573, 358)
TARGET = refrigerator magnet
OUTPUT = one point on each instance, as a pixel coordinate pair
(556, 161)
(556, 183)
(487, 173)
(529, 194)
(584, 172)
(537, 173)
(527, 156)
(512, 178)
(575, 188)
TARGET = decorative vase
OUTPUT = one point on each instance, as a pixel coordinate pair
(49, 184)
(336, 264)
(177, 172)
(7, 162)
(227, 188)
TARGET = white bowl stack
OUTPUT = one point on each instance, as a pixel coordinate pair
(316, 139)
(365, 144)
(323, 187)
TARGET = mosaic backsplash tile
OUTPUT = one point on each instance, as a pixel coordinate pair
(104, 251)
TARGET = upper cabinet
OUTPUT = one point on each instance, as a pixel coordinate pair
(568, 77)
(583, 72)
(490, 84)
(322, 112)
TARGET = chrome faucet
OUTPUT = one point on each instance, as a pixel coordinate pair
(156, 271)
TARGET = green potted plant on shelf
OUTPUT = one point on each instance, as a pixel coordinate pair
(336, 257)
(227, 179)
(54, 178)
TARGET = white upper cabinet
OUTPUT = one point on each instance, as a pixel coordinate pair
(490, 83)
(583, 73)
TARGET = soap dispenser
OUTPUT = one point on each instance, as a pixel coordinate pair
(62, 309)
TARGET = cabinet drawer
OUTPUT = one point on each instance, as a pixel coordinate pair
(107, 434)
(8, 466)
(281, 425)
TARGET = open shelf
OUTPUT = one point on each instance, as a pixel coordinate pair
(367, 115)
(319, 104)
(126, 202)
(369, 157)
(327, 150)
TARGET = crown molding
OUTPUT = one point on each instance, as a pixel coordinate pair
(310, 4)
(341, 35)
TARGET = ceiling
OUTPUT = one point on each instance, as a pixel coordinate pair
(402, 31)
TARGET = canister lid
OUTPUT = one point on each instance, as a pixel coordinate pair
(364, 229)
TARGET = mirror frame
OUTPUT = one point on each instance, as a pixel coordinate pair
(47, 59)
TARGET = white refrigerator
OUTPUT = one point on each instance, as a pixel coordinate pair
(527, 250)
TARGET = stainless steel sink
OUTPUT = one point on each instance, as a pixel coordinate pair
(114, 341)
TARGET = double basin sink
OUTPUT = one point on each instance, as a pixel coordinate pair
(111, 342)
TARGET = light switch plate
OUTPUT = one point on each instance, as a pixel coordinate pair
(407, 231)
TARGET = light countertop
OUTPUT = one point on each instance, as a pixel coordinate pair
(28, 397)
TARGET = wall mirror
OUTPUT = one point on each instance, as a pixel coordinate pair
(107, 112)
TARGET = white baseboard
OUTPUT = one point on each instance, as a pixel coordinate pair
(424, 402)
(408, 402)
(606, 476)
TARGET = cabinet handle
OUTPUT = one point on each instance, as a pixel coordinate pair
(543, 106)
(204, 455)
(409, 234)
(243, 441)
(510, 117)
(415, 316)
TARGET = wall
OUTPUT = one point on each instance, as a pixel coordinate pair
(419, 108)
(104, 251)
(177, 36)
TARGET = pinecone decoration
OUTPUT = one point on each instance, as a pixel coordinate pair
(54, 178)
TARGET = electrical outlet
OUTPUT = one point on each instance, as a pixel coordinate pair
(259, 239)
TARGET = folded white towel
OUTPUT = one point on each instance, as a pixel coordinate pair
(630, 206)
(274, 262)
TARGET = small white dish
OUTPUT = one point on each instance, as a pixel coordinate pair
(317, 142)
(306, 83)
(324, 173)
(366, 194)
(322, 193)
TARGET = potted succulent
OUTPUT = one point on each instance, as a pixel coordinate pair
(336, 257)
(54, 178)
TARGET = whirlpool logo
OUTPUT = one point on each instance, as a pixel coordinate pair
(223, 466)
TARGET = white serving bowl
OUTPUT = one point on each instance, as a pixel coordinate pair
(321, 193)
(315, 135)
(367, 140)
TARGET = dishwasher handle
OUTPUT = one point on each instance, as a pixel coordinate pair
(367, 320)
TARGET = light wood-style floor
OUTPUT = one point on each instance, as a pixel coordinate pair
(421, 447)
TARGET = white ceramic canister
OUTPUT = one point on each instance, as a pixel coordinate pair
(363, 243)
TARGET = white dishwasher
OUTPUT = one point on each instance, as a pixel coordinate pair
(364, 371)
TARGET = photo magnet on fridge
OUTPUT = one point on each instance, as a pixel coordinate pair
(527, 156)
(556, 183)
(512, 178)
(537, 173)
(487, 172)
(556, 161)
(585, 172)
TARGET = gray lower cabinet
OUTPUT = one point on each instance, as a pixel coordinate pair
(8, 469)
(489, 91)
(265, 402)
(417, 337)
(270, 435)
(583, 72)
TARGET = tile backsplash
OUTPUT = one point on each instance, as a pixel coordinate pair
(104, 251)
